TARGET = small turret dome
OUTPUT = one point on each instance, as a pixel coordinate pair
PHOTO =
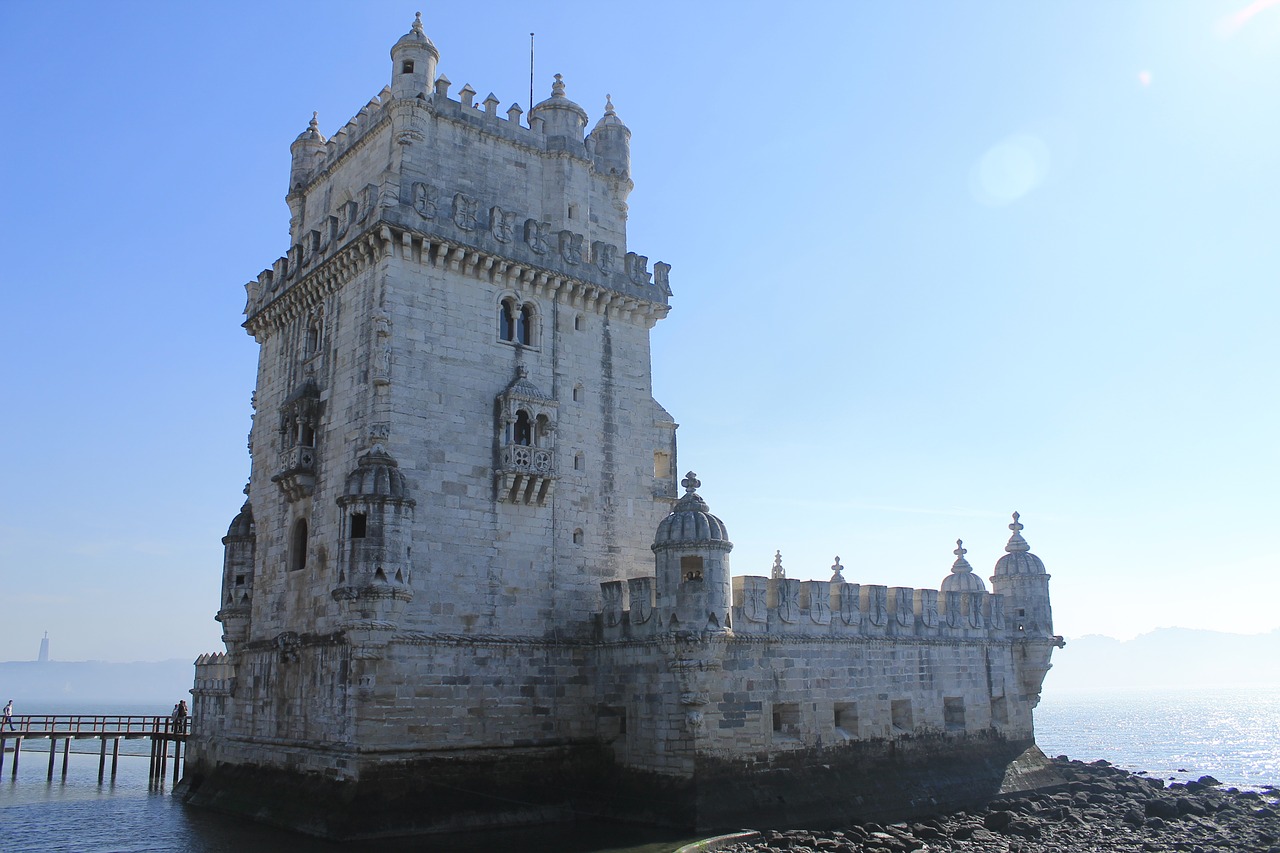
(377, 475)
(242, 526)
(1018, 560)
(561, 117)
(415, 39)
(312, 135)
(962, 578)
(610, 118)
(691, 520)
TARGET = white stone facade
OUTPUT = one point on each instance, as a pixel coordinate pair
(462, 541)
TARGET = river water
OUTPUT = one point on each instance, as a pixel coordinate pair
(1231, 734)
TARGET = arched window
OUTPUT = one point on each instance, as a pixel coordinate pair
(298, 546)
(524, 326)
(507, 320)
(313, 337)
(578, 536)
(523, 429)
(577, 393)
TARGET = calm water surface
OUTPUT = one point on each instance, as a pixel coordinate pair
(1232, 734)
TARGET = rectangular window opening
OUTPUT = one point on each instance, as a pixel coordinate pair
(846, 718)
(239, 580)
(786, 719)
(953, 713)
(999, 712)
(900, 714)
(691, 568)
(359, 525)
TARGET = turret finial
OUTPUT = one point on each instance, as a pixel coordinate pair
(1016, 542)
(961, 565)
(417, 23)
(690, 481)
(836, 576)
(778, 571)
(314, 124)
(608, 105)
(557, 88)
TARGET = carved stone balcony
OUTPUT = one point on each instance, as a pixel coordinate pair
(296, 472)
(525, 474)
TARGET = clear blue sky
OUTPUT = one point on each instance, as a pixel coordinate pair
(933, 262)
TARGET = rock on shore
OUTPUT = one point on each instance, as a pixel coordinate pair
(1102, 808)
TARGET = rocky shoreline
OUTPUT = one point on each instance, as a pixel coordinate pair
(1101, 808)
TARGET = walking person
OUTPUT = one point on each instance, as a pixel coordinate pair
(8, 717)
(180, 716)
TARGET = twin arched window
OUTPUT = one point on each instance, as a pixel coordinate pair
(517, 323)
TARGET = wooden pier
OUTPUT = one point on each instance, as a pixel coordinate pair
(161, 731)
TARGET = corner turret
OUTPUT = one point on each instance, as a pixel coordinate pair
(610, 144)
(1021, 578)
(413, 62)
(237, 579)
(563, 121)
(691, 556)
(307, 150)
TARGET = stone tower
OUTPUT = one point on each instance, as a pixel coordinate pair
(462, 592)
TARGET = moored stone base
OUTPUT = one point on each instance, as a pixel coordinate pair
(873, 780)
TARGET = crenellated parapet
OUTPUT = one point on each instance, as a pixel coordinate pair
(278, 295)
(796, 608)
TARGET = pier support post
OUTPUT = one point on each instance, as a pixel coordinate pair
(17, 750)
(66, 752)
(102, 759)
(115, 756)
(53, 754)
(1, 753)
(177, 753)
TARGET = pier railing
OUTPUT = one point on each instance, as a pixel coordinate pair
(161, 730)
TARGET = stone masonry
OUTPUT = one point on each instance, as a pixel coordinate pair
(464, 591)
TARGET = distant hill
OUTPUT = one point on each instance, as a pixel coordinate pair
(1167, 657)
(39, 687)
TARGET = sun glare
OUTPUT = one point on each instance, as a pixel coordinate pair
(1232, 24)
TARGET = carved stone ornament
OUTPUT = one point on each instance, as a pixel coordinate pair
(902, 607)
(466, 211)
(538, 236)
(571, 247)
(975, 608)
(502, 224)
(954, 617)
(878, 609)
(641, 590)
(611, 592)
(369, 201)
(662, 276)
(819, 603)
(379, 432)
(789, 600)
(929, 608)
(997, 612)
(755, 599)
(425, 200)
(850, 613)
(605, 256)
(637, 268)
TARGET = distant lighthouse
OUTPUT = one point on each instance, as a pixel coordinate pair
(44, 649)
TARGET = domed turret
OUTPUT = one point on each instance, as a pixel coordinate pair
(374, 570)
(413, 62)
(962, 578)
(237, 578)
(307, 150)
(1021, 578)
(563, 121)
(691, 554)
(377, 475)
(610, 144)
(1018, 560)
